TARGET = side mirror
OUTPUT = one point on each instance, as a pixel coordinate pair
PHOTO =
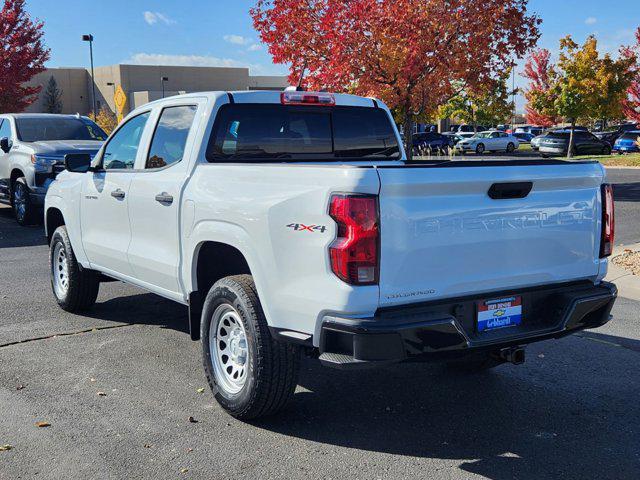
(5, 144)
(77, 162)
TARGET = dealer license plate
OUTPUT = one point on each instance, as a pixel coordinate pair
(499, 313)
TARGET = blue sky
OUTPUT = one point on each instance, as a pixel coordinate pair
(220, 33)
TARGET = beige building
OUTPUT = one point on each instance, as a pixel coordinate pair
(143, 83)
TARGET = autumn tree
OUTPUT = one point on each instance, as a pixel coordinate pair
(412, 54)
(631, 103)
(487, 106)
(536, 69)
(23, 56)
(584, 85)
(106, 120)
(52, 97)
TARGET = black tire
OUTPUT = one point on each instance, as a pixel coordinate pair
(82, 284)
(510, 147)
(272, 366)
(480, 148)
(606, 150)
(475, 363)
(24, 211)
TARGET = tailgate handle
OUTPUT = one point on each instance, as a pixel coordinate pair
(500, 191)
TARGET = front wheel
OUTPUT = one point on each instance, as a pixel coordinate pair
(606, 150)
(74, 287)
(23, 209)
(251, 374)
(480, 149)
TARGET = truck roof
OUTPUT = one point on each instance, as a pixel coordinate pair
(269, 96)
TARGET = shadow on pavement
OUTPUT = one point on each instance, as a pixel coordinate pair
(512, 422)
(13, 235)
(141, 309)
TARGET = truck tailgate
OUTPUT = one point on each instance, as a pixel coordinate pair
(443, 236)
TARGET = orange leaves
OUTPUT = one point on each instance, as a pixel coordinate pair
(411, 54)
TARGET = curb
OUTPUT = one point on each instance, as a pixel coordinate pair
(627, 283)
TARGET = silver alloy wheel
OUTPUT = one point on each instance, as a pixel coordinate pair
(60, 270)
(20, 200)
(229, 349)
(480, 148)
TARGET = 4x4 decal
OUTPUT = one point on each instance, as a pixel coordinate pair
(301, 227)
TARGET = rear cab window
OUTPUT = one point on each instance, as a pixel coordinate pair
(272, 132)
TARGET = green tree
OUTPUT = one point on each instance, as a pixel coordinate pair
(486, 106)
(52, 97)
(584, 85)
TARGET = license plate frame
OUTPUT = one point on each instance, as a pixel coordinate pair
(498, 313)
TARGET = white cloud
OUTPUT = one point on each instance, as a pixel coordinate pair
(237, 39)
(591, 20)
(154, 17)
(182, 60)
(255, 47)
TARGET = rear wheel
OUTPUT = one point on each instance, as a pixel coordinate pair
(251, 374)
(606, 150)
(74, 287)
(510, 147)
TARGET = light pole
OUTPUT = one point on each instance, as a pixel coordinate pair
(89, 38)
(115, 107)
(162, 80)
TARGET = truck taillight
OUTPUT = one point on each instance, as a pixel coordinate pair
(354, 253)
(307, 98)
(608, 221)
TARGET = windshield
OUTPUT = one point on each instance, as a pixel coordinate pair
(38, 129)
(262, 132)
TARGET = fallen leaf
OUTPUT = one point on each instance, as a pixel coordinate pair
(42, 424)
(147, 445)
(189, 450)
(101, 394)
(192, 420)
(20, 387)
(92, 379)
(184, 470)
(4, 448)
(200, 390)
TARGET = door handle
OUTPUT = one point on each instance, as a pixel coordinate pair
(119, 194)
(164, 198)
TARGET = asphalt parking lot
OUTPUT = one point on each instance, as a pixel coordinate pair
(571, 411)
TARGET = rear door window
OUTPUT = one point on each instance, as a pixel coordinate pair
(268, 132)
(170, 137)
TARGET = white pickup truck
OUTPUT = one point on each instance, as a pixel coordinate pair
(291, 221)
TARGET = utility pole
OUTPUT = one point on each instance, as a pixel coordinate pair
(162, 80)
(89, 38)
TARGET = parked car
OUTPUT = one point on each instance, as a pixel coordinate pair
(489, 141)
(529, 129)
(32, 150)
(585, 143)
(628, 142)
(431, 143)
(524, 137)
(611, 134)
(471, 129)
(290, 221)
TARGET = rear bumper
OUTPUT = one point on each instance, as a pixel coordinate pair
(447, 329)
